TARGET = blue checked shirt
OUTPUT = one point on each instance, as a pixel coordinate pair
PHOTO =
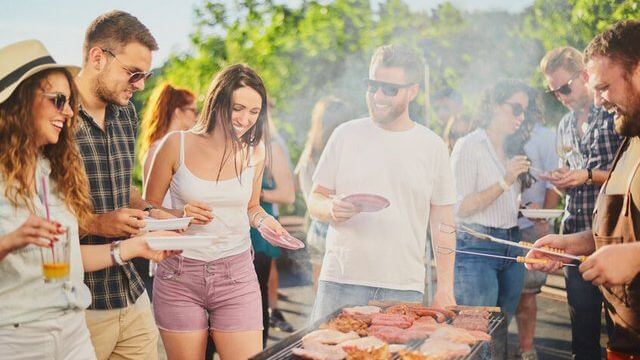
(595, 150)
(108, 160)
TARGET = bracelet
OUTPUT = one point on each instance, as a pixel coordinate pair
(115, 253)
(255, 214)
(503, 185)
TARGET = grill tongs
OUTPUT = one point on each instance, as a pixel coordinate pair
(518, 259)
(450, 229)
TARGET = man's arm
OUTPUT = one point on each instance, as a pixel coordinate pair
(444, 262)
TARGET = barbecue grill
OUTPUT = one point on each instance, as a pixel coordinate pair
(497, 346)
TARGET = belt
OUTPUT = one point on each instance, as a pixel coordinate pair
(614, 355)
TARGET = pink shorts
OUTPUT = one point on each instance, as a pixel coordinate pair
(221, 295)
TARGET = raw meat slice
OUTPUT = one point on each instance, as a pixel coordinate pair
(441, 348)
(363, 343)
(454, 334)
(362, 310)
(318, 351)
(327, 336)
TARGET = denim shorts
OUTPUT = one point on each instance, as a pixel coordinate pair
(484, 281)
(221, 295)
(332, 296)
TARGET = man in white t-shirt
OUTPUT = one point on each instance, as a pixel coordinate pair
(381, 255)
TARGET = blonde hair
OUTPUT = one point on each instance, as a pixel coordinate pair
(567, 58)
(19, 152)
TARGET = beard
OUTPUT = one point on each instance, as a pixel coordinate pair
(385, 117)
(627, 122)
(106, 94)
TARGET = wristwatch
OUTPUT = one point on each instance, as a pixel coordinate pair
(589, 177)
(149, 207)
(115, 253)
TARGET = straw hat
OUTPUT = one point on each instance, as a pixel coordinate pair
(20, 60)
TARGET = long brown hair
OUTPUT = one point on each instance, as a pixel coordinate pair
(217, 112)
(19, 151)
(327, 114)
(156, 116)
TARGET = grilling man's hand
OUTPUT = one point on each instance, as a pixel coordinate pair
(612, 265)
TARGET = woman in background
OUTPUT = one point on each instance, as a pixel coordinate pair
(168, 109)
(326, 115)
(277, 189)
(488, 185)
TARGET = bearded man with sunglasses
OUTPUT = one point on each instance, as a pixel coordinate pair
(116, 61)
(587, 145)
(380, 255)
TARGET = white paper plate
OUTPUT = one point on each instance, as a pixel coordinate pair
(166, 224)
(182, 242)
(541, 213)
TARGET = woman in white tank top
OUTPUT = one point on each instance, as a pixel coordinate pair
(214, 174)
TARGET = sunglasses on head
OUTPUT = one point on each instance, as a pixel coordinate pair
(387, 88)
(58, 100)
(564, 89)
(134, 77)
(516, 108)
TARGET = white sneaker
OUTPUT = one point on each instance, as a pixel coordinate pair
(529, 355)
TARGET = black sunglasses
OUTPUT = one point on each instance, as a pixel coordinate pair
(58, 100)
(564, 89)
(516, 108)
(388, 89)
(134, 77)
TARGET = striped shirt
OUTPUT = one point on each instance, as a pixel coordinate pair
(476, 167)
(597, 149)
(108, 157)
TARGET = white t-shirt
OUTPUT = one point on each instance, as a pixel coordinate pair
(411, 169)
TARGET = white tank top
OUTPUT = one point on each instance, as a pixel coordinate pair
(228, 200)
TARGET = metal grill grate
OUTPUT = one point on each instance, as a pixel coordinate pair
(497, 346)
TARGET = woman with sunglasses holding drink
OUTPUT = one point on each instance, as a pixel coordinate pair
(214, 173)
(488, 186)
(43, 316)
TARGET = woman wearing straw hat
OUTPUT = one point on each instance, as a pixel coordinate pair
(44, 319)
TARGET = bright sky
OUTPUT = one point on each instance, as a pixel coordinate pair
(61, 24)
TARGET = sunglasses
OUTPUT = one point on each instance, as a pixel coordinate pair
(516, 108)
(564, 89)
(387, 88)
(134, 77)
(58, 100)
